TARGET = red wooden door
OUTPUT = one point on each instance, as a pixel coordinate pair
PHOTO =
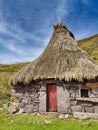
(51, 97)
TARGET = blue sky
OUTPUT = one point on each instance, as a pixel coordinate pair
(27, 25)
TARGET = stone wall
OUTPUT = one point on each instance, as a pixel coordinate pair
(43, 98)
(82, 104)
(33, 98)
(26, 98)
(63, 99)
(74, 92)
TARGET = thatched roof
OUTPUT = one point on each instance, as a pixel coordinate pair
(62, 59)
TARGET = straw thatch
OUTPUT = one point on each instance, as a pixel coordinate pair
(62, 59)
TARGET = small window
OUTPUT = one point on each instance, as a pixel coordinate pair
(84, 93)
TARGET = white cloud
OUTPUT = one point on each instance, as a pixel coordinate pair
(19, 43)
(8, 59)
(61, 10)
(16, 32)
(46, 41)
(19, 49)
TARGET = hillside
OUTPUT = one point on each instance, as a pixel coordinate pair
(91, 46)
(5, 72)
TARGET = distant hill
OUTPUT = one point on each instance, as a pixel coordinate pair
(5, 72)
(91, 46)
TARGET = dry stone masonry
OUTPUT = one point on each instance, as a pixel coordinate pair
(26, 98)
(33, 98)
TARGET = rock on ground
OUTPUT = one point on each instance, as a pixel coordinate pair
(83, 115)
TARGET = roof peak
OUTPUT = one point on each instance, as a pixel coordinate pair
(60, 25)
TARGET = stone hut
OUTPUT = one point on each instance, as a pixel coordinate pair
(62, 79)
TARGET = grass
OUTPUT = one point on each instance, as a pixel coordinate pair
(35, 122)
(91, 46)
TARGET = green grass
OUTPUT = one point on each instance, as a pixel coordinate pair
(34, 122)
(91, 46)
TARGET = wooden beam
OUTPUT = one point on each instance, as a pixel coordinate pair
(94, 100)
(92, 85)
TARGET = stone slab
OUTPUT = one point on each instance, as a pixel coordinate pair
(89, 109)
(73, 103)
(76, 108)
(95, 109)
(83, 115)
